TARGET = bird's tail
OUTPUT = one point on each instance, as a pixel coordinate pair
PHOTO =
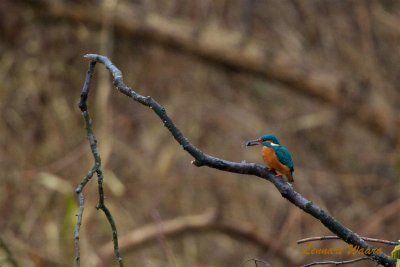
(290, 177)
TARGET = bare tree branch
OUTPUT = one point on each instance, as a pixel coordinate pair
(95, 169)
(329, 237)
(335, 262)
(202, 159)
(81, 198)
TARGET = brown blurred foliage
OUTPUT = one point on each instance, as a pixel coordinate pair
(345, 148)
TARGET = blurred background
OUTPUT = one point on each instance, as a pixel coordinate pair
(321, 75)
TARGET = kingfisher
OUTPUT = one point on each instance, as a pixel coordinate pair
(275, 156)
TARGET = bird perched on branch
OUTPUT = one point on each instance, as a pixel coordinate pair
(276, 157)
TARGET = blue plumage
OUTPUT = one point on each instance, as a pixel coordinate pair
(283, 155)
(270, 137)
(275, 156)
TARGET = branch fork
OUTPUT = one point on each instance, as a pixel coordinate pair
(203, 159)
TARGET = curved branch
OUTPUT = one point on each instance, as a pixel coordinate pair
(191, 224)
(335, 262)
(203, 159)
(330, 237)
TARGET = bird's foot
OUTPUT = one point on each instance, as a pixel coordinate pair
(274, 171)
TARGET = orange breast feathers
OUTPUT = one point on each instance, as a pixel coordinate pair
(273, 162)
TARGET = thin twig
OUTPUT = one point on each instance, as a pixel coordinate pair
(335, 262)
(329, 237)
(255, 261)
(95, 169)
(202, 159)
(162, 240)
(81, 198)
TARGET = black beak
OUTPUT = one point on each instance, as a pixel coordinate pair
(253, 142)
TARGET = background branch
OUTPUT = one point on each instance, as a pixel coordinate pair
(190, 225)
(202, 159)
(227, 48)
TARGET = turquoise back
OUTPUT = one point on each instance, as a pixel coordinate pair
(283, 155)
